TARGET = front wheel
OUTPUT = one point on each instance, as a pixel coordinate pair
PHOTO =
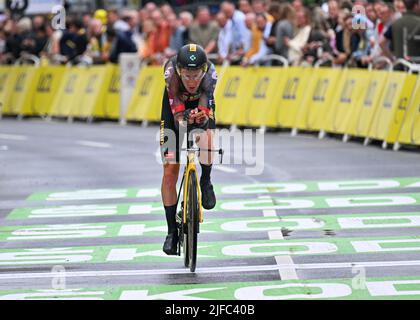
(192, 222)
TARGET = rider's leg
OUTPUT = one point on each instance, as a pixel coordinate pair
(205, 142)
(169, 195)
(170, 158)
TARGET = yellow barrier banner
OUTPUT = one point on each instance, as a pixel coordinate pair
(263, 97)
(70, 92)
(7, 79)
(387, 121)
(92, 94)
(48, 81)
(410, 131)
(293, 93)
(23, 89)
(344, 105)
(146, 102)
(111, 105)
(316, 104)
(230, 95)
(367, 103)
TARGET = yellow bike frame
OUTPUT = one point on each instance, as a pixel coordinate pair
(191, 167)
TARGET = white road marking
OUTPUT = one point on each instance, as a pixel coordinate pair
(14, 137)
(285, 273)
(93, 144)
(211, 270)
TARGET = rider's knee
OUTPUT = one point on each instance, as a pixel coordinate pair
(170, 175)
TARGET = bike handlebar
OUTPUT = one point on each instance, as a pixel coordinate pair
(221, 152)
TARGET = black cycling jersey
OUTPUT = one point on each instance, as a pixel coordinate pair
(177, 93)
(177, 99)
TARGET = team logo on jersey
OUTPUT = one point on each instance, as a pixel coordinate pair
(193, 47)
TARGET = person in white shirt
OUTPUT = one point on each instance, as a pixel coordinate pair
(301, 37)
(225, 37)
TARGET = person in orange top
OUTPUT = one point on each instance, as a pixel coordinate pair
(148, 50)
(255, 40)
(162, 34)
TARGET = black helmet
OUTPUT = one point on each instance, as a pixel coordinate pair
(191, 56)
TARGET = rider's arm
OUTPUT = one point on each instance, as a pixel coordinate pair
(208, 86)
(172, 87)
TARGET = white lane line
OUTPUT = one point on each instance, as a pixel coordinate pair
(225, 169)
(285, 273)
(14, 137)
(212, 270)
(93, 144)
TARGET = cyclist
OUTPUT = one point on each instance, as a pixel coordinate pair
(188, 104)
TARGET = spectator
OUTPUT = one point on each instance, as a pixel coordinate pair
(87, 18)
(386, 14)
(204, 32)
(301, 37)
(151, 7)
(371, 13)
(225, 37)
(12, 42)
(297, 5)
(96, 43)
(245, 6)
(240, 31)
(25, 38)
(260, 31)
(344, 41)
(361, 48)
(147, 51)
(177, 37)
(399, 7)
(102, 16)
(333, 14)
(52, 46)
(284, 30)
(400, 35)
(161, 36)
(275, 11)
(132, 19)
(117, 42)
(258, 7)
(115, 22)
(166, 10)
(318, 45)
(74, 42)
(252, 41)
(187, 20)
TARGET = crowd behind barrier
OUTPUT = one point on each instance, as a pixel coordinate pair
(273, 91)
(335, 33)
(373, 104)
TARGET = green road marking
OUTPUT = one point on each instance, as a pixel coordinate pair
(371, 289)
(266, 203)
(231, 225)
(214, 250)
(257, 188)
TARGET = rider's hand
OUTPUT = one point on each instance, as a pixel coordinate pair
(185, 117)
(201, 115)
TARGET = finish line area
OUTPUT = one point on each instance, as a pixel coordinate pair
(81, 217)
